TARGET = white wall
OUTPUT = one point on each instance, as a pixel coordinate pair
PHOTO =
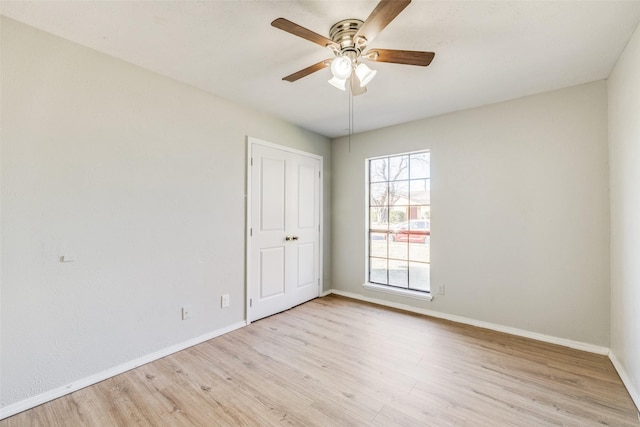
(143, 180)
(624, 153)
(520, 219)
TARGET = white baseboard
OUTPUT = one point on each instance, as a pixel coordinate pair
(591, 348)
(34, 401)
(633, 391)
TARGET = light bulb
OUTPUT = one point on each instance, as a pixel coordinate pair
(341, 67)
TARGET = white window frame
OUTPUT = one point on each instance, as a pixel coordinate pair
(388, 289)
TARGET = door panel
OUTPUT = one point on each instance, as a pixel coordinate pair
(269, 253)
(306, 226)
(284, 254)
(306, 264)
(306, 196)
(271, 272)
(272, 194)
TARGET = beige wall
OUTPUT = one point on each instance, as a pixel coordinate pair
(624, 153)
(520, 218)
(143, 180)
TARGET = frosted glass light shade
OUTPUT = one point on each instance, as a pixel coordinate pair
(365, 74)
(341, 67)
(356, 88)
(339, 83)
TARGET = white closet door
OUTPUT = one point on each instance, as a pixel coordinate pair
(284, 230)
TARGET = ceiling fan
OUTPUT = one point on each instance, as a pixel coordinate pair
(348, 40)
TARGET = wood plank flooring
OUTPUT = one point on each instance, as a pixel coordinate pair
(339, 362)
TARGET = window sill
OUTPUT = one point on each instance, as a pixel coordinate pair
(398, 291)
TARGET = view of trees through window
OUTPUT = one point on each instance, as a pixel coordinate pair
(400, 221)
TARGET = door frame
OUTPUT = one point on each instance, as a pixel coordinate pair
(251, 141)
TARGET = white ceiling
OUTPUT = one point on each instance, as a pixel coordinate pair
(486, 51)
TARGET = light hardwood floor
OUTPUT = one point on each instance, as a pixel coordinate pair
(338, 362)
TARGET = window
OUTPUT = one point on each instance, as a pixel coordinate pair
(399, 230)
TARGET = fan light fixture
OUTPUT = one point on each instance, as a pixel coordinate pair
(342, 68)
(338, 83)
(365, 74)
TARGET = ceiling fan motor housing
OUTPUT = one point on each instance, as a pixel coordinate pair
(343, 33)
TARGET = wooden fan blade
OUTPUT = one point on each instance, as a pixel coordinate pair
(407, 57)
(382, 15)
(297, 30)
(306, 71)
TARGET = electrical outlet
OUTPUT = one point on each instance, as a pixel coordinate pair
(224, 301)
(441, 289)
(186, 312)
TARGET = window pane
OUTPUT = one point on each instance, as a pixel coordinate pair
(378, 194)
(398, 217)
(398, 168)
(420, 165)
(398, 193)
(378, 271)
(398, 248)
(399, 273)
(378, 244)
(379, 218)
(378, 170)
(420, 251)
(423, 212)
(419, 276)
(420, 192)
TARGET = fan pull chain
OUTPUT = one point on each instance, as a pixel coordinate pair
(350, 118)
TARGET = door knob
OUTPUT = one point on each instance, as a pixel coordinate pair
(287, 238)
(294, 238)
